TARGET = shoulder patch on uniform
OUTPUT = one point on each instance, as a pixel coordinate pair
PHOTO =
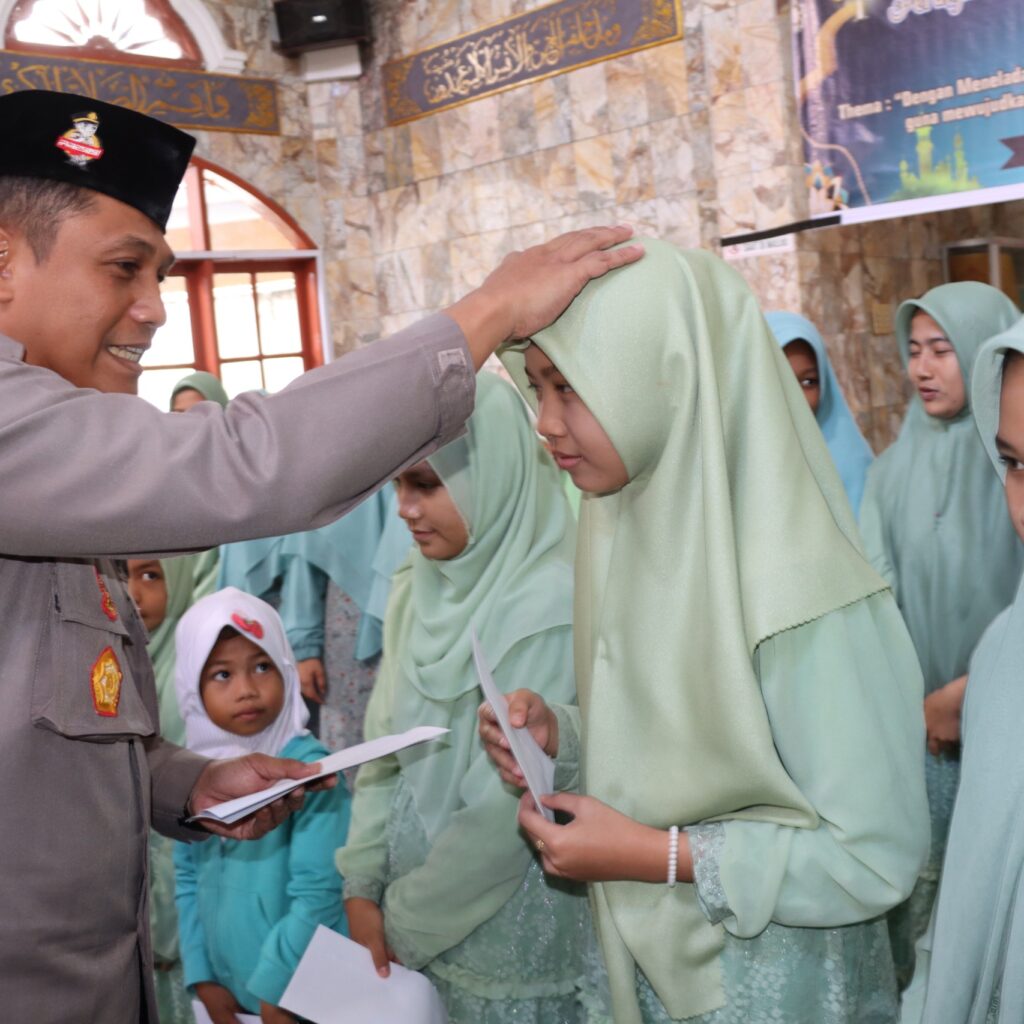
(106, 601)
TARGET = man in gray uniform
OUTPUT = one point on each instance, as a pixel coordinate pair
(90, 473)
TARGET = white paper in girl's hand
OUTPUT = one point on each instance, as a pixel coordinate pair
(336, 983)
(241, 807)
(538, 769)
(202, 1017)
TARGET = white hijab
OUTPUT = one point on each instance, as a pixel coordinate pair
(195, 638)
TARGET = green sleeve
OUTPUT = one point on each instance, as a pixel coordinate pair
(363, 860)
(844, 698)
(434, 907)
(303, 598)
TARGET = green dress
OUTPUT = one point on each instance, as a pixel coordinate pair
(824, 684)
(714, 593)
(434, 837)
(935, 526)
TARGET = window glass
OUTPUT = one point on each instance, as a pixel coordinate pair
(278, 306)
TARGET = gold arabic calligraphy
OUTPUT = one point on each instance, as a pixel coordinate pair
(465, 67)
(188, 99)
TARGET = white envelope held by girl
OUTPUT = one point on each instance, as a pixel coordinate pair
(336, 983)
(538, 769)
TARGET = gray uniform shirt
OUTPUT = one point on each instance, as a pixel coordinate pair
(84, 477)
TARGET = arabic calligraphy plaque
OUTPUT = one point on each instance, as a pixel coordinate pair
(187, 99)
(552, 39)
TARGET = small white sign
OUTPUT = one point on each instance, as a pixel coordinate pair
(762, 247)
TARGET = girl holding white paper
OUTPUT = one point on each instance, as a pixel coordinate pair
(247, 910)
(437, 874)
(749, 721)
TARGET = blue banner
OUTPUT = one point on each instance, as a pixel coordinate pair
(910, 101)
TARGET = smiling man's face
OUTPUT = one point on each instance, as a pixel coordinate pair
(89, 310)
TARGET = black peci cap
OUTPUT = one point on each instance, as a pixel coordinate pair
(86, 142)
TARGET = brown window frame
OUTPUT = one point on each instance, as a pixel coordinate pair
(199, 266)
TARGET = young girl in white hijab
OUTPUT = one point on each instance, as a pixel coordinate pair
(247, 910)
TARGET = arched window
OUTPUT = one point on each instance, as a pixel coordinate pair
(242, 299)
(140, 31)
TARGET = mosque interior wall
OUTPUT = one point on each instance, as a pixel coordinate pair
(690, 141)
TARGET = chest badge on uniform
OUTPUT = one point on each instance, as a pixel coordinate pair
(250, 626)
(106, 683)
(106, 601)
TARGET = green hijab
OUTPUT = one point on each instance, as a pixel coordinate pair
(512, 582)
(206, 384)
(187, 578)
(734, 526)
(934, 518)
(978, 947)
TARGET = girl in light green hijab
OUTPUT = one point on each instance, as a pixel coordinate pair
(163, 590)
(435, 869)
(971, 965)
(935, 527)
(743, 674)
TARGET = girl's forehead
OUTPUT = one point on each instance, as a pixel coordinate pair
(537, 360)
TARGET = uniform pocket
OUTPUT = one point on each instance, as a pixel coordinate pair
(84, 687)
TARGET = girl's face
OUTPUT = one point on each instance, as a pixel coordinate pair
(1010, 439)
(185, 399)
(148, 588)
(577, 441)
(241, 688)
(804, 364)
(424, 503)
(934, 369)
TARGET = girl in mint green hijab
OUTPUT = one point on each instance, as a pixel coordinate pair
(971, 966)
(435, 865)
(935, 527)
(743, 674)
(180, 582)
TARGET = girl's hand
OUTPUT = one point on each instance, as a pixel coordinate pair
(600, 844)
(220, 1004)
(366, 926)
(525, 708)
(313, 680)
(942, 716)
(271, 1014)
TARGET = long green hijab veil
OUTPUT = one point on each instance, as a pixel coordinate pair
(512, 581)
(978, 946)
(734, 526)
(933, 518)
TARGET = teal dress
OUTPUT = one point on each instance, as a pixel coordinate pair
(247, 910)
(824, 683)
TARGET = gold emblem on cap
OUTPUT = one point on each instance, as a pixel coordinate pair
(106, 683)
(81, 144)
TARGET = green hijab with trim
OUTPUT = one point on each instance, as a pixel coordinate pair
(512, 582)
(976, 969)
(734, 526)
(187, 578)
(206, 384)
(933, 517)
